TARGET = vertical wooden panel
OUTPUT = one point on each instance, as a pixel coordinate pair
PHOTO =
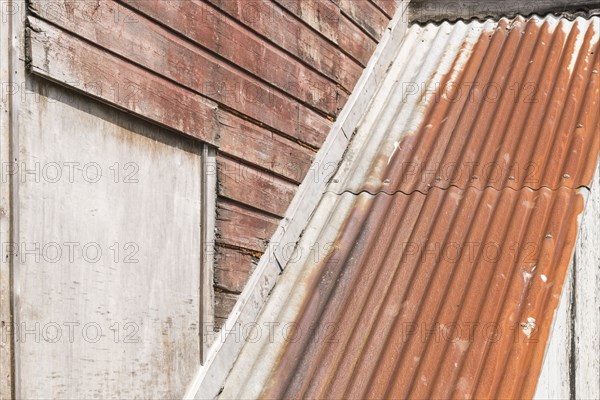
(554, 380)
(586, 313)
(208, 178)
(110, 253)
(9, 93)
(12, 77)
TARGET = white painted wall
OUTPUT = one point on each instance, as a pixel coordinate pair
(124, 323)
(572, 363)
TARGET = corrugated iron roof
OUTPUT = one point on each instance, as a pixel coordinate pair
(443, 284)
(515, 104)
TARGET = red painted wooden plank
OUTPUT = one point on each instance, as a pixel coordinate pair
(325, 17)
(241, 227)
(261, 147)
(147, 44)
(224, 303)
(223, 35)
(252, 187)
(270, 21)
(67, 60)
(234, 267)
(356, 41)
(389, 7)
(322, 15)
(365, 15)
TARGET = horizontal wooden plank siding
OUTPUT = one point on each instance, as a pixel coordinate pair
(61, 57)
(229, 39)
(387, 6)
(173, 58)
(233, 268)
(240, 227)
(276, 25)
(259, 147)
(326, 18)
(254, 188)
(366, 15)
(262, 80)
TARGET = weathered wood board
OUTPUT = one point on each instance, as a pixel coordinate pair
(109, 252)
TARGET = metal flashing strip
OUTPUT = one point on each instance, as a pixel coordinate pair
(436, 11)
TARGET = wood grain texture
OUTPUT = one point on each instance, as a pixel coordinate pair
(365, 15)
(238, 226)
(387, 6)
(234, 267)
(257, 146)
(65, 59)
(228, 38)
(200, 72)
(224, 303)
(254, 188)
(357, 43)
(325, 17)
(279, 27)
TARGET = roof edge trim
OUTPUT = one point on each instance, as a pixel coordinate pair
(423, 12)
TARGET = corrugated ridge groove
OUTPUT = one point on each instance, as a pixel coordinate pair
(570, 15)
(292, 389)
(476, 142)
(314, 387)
(285, 373)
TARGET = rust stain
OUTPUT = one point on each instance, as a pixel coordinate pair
(446, 287)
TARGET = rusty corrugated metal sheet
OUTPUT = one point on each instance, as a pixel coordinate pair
(445, 285)
(518, 108)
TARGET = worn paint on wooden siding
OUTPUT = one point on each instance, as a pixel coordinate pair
(5, 215)
(109, 252)
(260, 80)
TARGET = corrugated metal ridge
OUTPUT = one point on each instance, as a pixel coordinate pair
(447, 287)
(436, 11)
(473, 138)
(445, 295)
(570, 15)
